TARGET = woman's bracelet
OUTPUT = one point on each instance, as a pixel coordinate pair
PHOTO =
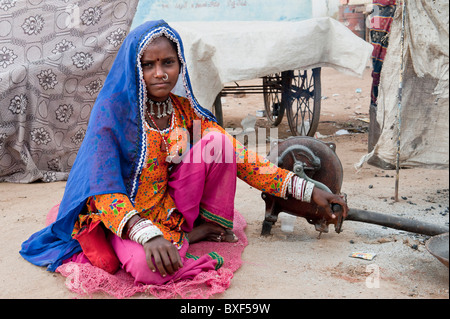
(143, 230)
(300, 189)
(131, 226)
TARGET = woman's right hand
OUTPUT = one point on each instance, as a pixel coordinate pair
(324, 200)
(165, 256)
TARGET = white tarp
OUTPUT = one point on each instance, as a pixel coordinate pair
(424, 134)
(221, 52)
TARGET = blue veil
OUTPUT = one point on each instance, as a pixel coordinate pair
(111, 157)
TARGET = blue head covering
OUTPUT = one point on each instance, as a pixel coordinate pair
(111, 157)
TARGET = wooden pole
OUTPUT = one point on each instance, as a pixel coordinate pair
(399, 108)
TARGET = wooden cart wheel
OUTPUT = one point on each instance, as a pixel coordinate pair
(273, 104)
(304, 94)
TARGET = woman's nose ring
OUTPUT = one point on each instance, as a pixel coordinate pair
(165, 77)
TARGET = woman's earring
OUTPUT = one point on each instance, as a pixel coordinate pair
(165, 77)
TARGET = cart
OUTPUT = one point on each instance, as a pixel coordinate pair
(223, 52)
(296, 93)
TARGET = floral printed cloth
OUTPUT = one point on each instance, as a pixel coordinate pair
(54, 58)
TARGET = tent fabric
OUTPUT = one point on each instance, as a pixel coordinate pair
(380, 28)
(221, 52)
(54, 58)
(424, 117)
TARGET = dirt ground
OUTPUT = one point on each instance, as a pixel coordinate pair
(294, 265)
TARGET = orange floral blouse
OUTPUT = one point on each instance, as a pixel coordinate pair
(153, 200)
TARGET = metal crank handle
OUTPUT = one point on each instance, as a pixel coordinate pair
(338, 211)
(336, 208)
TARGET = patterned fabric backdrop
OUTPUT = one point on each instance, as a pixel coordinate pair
(54, 58)
(380, 29)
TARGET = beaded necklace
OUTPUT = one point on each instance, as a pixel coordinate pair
(164, 144)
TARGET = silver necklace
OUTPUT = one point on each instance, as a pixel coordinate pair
(166, 106)
(164, 144)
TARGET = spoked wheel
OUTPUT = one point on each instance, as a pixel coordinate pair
(304, 94)
(273, 101)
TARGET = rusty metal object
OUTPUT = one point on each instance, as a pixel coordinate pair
(395, 222)
(311, 159)
(438, 247)
(317, 161)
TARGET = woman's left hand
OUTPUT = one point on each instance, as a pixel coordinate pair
(165, 254)
(324, 199)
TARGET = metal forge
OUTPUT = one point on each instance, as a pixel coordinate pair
(318, 162)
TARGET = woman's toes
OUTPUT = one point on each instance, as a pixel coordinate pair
(230, 237)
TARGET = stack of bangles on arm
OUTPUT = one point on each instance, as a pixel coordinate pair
(142, 231)
(300, 189)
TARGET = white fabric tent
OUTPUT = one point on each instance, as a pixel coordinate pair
(221, 52)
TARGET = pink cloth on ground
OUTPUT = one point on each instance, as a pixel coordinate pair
(133, 259)
(84, 279)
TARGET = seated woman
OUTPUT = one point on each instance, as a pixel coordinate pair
(157, 171)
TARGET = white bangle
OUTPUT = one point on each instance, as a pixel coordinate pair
(143, 231)
(308, 192)
(300, 189)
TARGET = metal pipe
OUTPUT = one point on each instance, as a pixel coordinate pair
(395, 222)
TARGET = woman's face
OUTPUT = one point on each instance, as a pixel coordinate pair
(158, 59)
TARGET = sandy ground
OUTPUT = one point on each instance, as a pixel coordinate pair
(292, 265)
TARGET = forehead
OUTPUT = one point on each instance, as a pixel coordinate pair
(160, 45)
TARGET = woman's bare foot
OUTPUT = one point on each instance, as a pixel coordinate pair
(229, 237)
(211, 232)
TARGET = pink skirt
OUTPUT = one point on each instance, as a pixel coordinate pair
(201, 187)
